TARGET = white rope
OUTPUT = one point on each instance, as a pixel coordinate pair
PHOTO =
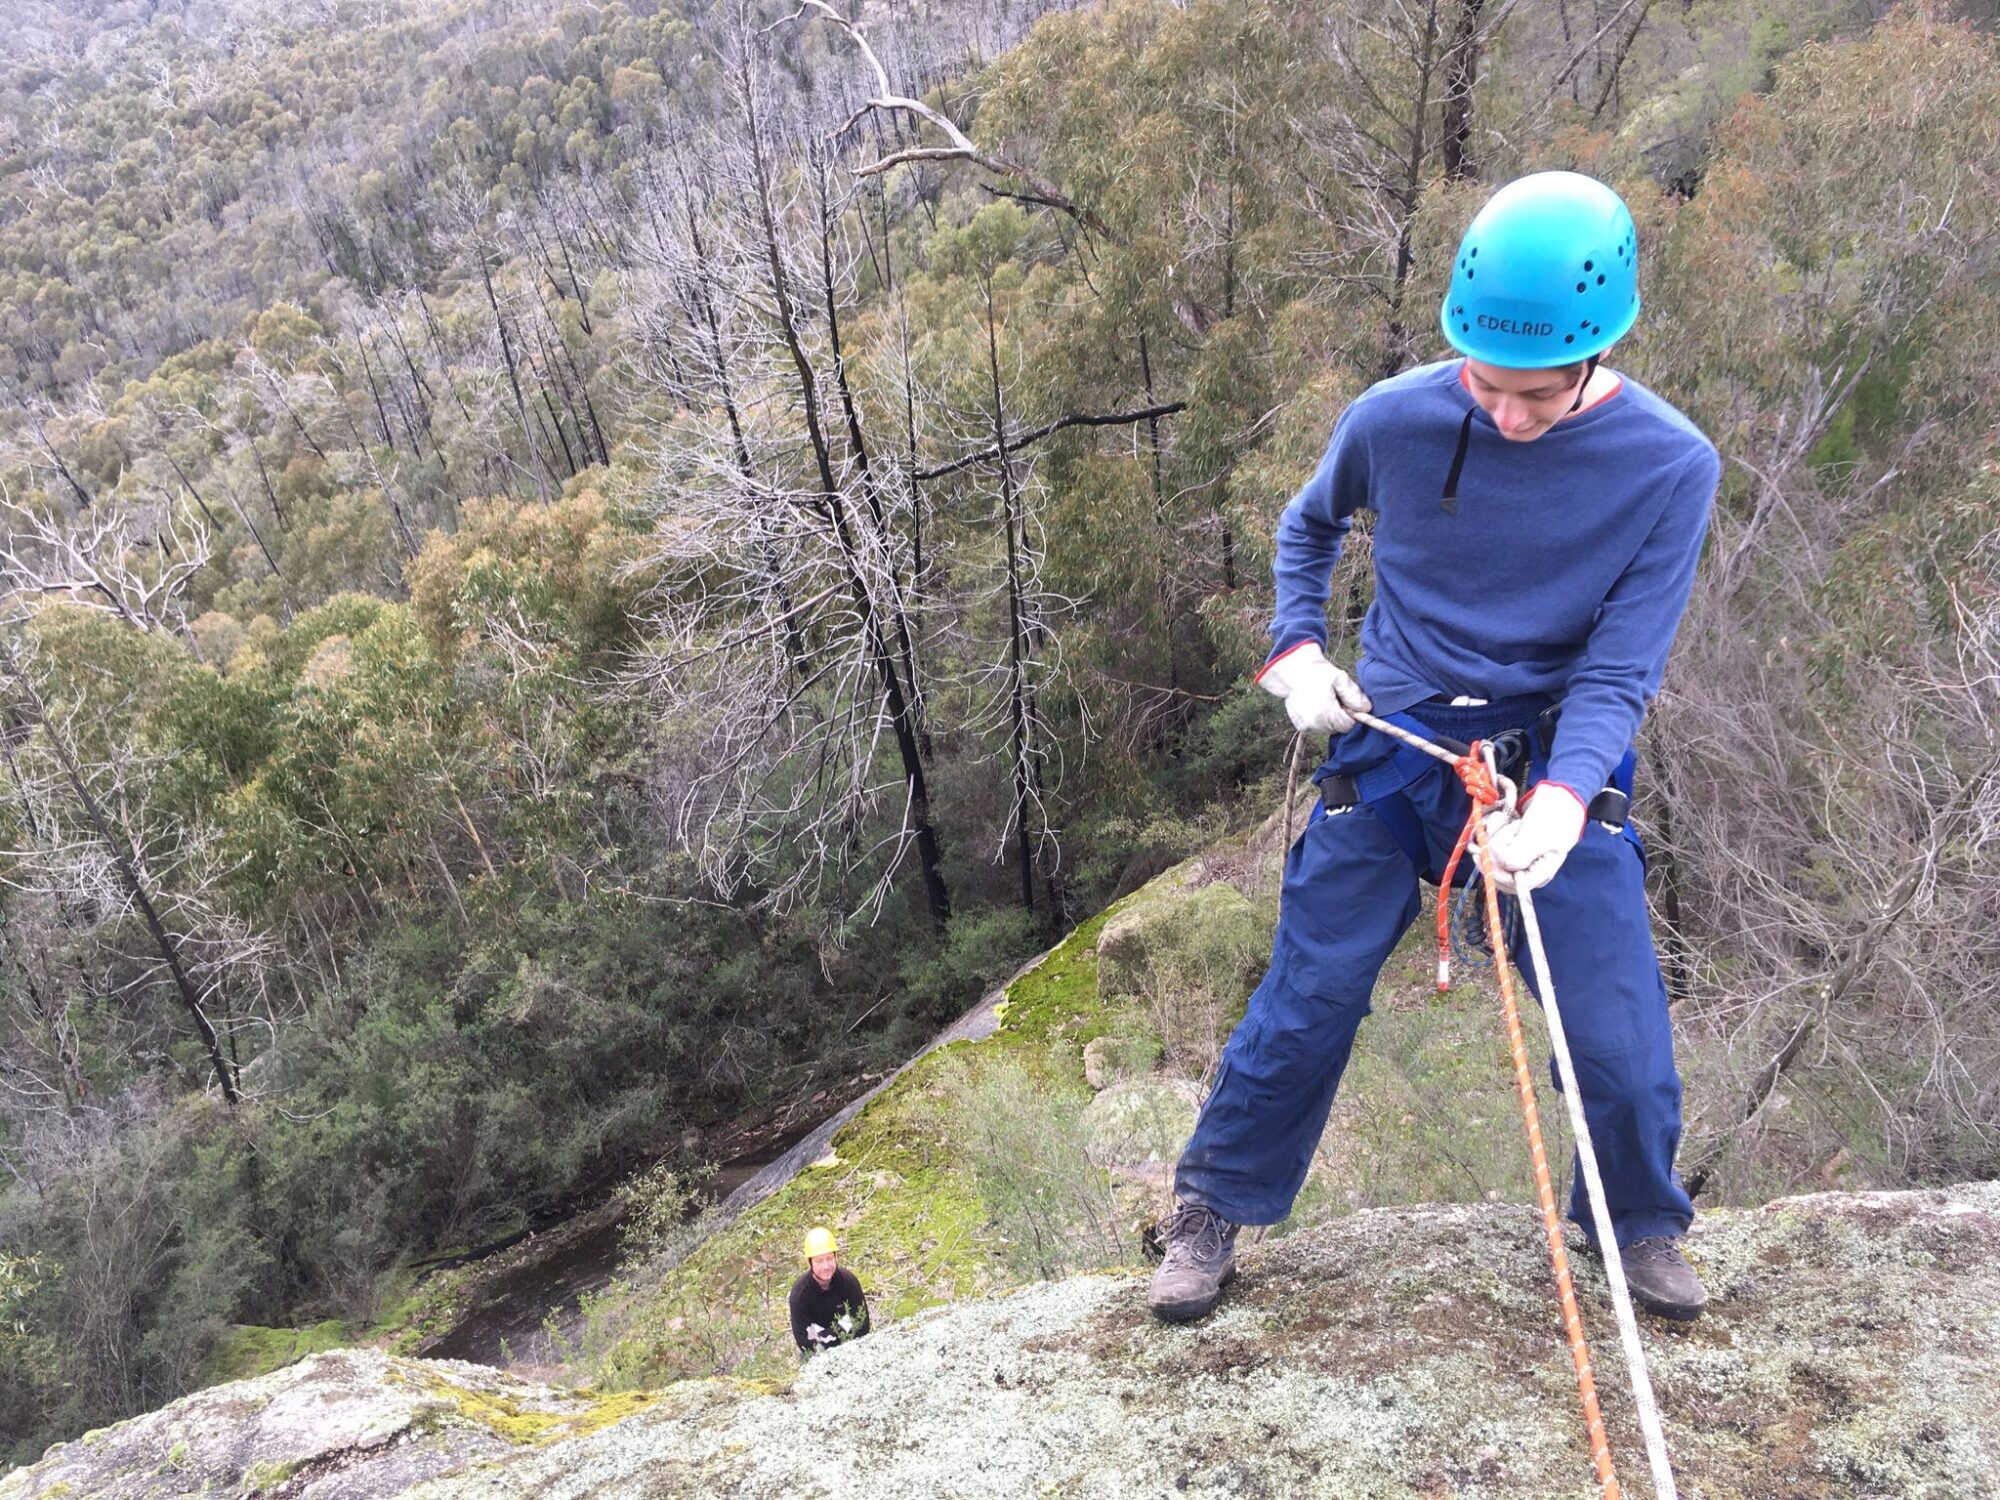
(1414, 741)
(1600, 1214)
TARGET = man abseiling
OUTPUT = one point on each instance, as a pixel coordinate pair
(1538, 518)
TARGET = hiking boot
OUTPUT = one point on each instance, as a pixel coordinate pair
(1661, 1279)
(1200, 1262)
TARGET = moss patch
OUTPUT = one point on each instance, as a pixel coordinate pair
(511, 1421)
(246, 1350)
(422, 1308)
(260, 1477)
(1056, 1002)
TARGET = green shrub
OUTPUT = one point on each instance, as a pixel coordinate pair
(1025, 1139)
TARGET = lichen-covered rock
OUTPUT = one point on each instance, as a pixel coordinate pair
(1397, 1354)
(350, 1425)
(1400, 1354)
(1139, 1121)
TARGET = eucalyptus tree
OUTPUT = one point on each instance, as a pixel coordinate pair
(1825, 756)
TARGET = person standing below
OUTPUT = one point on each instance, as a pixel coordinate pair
(827, 1303)
(1538, 521)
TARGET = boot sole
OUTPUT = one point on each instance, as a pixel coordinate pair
(1678, 1312)
(1187, 1312)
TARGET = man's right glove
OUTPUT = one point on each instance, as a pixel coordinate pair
(1319, 697)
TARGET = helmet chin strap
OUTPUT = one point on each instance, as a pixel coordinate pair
(1448, 500)
(1589, 369)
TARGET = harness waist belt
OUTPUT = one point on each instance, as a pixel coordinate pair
(1338, 792)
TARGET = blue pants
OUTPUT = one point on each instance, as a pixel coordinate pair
(1350, 893)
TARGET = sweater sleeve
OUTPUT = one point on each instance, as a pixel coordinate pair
(798, 1307)
(1625, 656)
(1310, 533)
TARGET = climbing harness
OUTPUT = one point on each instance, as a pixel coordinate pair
(1490, 792)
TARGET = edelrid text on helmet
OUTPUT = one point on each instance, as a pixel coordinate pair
(820, 1241)
(1547, 274)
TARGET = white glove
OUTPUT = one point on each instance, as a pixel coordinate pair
(1320, 698)
(1529, 850)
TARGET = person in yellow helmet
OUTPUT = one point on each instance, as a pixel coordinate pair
(828, 1305)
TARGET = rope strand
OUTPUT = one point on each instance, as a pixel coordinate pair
(1524, 1083)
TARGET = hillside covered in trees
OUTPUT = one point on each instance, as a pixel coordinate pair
(570, 573)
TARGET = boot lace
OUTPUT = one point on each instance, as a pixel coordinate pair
(1195, 1232)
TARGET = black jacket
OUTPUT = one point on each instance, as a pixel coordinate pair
(823, 1317)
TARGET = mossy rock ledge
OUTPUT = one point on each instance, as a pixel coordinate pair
(1850, 1350)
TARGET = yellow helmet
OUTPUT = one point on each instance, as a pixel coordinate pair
(820, 1241)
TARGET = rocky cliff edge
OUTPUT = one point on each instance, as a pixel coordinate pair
(1852, 1349)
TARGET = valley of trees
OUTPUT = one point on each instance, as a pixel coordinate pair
(568, 574)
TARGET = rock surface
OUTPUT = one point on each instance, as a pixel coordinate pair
(1175, 932)
(1849, 1351)
(353, 1424)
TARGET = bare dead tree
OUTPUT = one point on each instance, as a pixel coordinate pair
(959, 147)
(1028, 640)
(131, 561)
(782, 528)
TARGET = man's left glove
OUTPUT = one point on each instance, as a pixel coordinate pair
(1528, 851)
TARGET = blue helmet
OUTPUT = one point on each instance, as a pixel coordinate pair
(1547, 274)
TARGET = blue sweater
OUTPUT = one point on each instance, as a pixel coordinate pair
(1563, 572)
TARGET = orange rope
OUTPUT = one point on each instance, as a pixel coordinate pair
(1481, 788)
(1484, 792)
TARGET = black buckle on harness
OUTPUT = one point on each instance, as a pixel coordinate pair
(1610, 807)
(1338, 793)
